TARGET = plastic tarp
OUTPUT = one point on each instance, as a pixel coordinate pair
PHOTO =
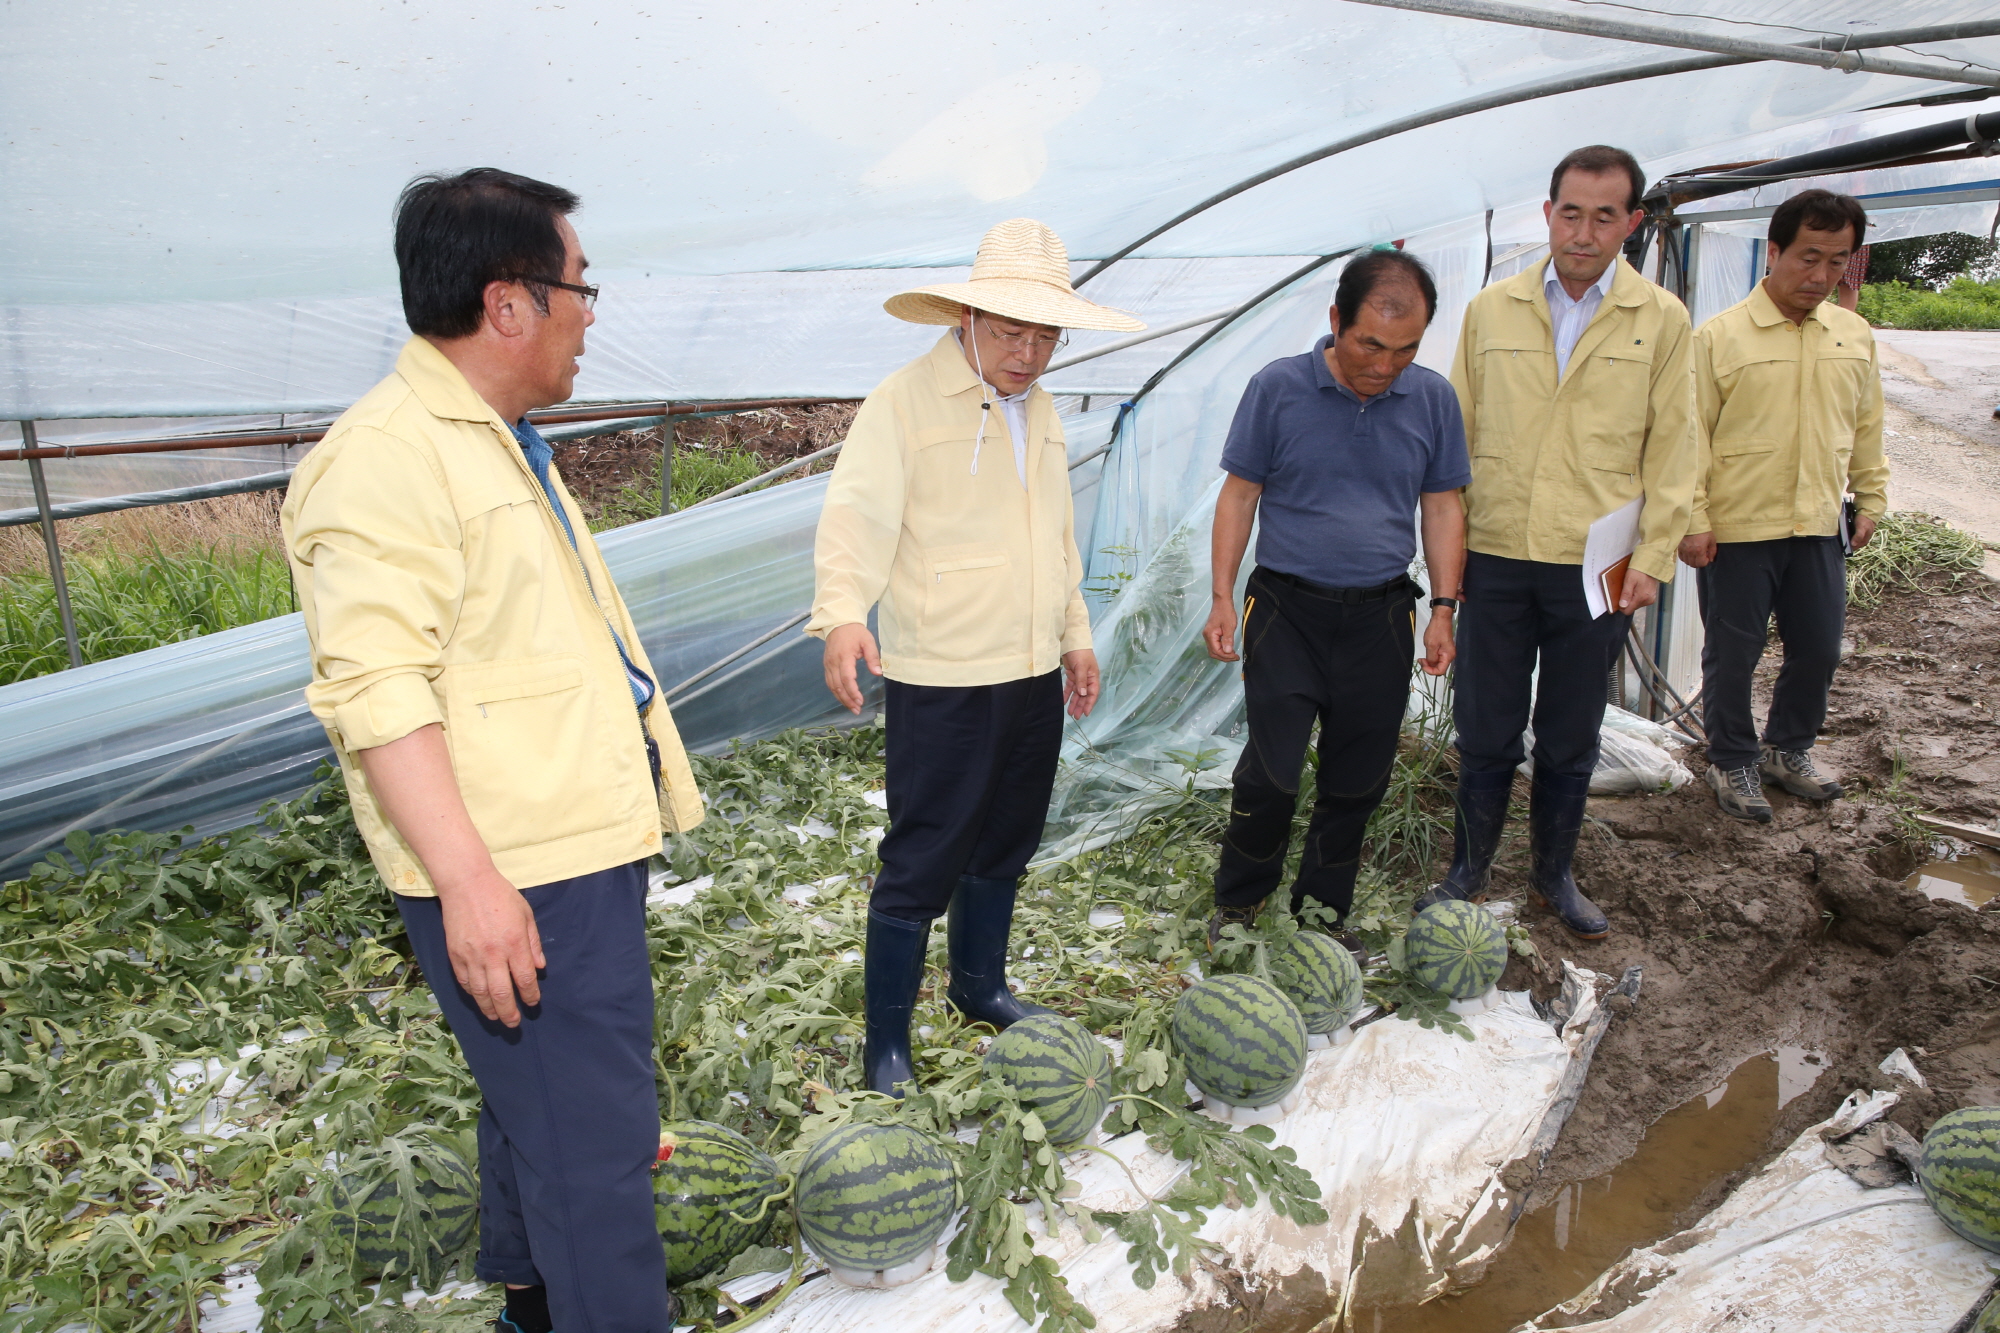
(1798, 1248)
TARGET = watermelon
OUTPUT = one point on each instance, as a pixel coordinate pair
(369, 1194)
(1960, 1174)
(875, 1196)
(1243, 1042)
(1059, 1069)
(714, 1196)
(1321, 978)
(1456, 948)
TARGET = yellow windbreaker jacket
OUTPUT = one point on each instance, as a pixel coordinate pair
(978, 579)
(437, 586)
(1550, 459)
(1791, 420)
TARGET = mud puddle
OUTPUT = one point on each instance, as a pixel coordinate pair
(1560, 1249)
(1972, 879)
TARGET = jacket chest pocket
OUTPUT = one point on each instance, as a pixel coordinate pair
(1841, 379)
(1609, 400)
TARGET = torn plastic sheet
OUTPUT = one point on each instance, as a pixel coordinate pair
(1798, 1248)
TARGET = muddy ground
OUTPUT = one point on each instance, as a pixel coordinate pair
(1802, 932)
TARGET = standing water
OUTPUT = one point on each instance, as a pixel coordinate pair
(1972, 879)
(1559, 1250)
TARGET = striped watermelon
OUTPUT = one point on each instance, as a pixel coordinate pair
(1456, 948)
(387, 1237)
(1059, 1069)
(1243, 1042)
(1321, 978)
(1960, 1174)
(875, 1196)
(713, 1196)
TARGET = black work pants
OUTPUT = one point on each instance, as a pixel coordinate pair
(1803, 582)
(1516, 614)
(970, 771)
(570, 1121)
(1308, 657)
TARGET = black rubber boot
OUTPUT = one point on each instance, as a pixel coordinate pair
(1555, 817)
(892, 971)
(976, 931)
(1481, 805)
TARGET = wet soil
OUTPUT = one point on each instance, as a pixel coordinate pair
(598, 468)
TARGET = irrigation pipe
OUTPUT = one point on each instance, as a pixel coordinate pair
(108, 504)
(1529, 92)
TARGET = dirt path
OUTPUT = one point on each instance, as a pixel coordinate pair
(1942, 438)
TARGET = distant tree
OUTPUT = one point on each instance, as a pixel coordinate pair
(1930, 261)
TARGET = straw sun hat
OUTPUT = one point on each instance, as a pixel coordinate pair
(1022, 272)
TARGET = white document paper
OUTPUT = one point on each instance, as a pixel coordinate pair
(1609, 540)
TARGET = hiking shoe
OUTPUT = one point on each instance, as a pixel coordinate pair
(1739, 793)
(1794, 771)
(1245, 917)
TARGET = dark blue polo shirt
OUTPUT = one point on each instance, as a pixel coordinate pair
(1341, 477)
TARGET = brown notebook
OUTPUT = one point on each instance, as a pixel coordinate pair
(1612, 582)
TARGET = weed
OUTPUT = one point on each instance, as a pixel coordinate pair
(1962, 304)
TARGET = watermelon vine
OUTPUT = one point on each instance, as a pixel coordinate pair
(217, 1053)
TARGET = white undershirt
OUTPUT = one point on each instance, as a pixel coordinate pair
(1573, 317)
(1016, 409)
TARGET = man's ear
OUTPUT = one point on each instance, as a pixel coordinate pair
(502, 301)
(1333, 320)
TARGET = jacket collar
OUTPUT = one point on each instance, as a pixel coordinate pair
(1628, 288)
(440, 387)
(1764, 312)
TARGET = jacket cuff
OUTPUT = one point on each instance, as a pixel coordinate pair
(388, 710)
(1655, 560)
(826, 619)
(1699, 526)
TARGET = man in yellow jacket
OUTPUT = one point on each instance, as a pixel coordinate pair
(1574, 380)
(1790, 403)
(950, 510)
(509, 760)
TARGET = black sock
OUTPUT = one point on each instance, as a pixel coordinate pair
(528, 1309)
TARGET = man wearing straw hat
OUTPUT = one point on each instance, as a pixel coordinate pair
(950, 510)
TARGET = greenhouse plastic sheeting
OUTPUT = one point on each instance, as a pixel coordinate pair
(1798, 1248)
(219, 177)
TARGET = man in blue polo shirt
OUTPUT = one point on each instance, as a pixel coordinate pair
(1338, 451)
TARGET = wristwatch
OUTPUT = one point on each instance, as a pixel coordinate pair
(1451, 602)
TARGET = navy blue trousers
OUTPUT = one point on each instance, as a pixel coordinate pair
(1516, 612)
(1803, 582)
(571, 1121)
(970, 770)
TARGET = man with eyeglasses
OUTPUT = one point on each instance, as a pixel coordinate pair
(509, 760)
(950, 511)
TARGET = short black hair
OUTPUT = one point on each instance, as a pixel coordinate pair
(455, 234)
(1598, 159)
(1822, 210)
(1364, 274)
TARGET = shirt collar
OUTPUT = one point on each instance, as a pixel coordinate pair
(1552, 285)
(1323, 378)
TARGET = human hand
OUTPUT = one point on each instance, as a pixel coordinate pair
(1639, 590)
(1080, 683)
(1220, 631)
(843, 645)
(496, 951)
(1697, 549)
(1440, 648)
(1864, 528)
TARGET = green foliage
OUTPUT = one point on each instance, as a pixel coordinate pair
(1960, 304)
(698, 474)
(1908, 551)
(201, 1037)
(1929, 261)
(127, 603)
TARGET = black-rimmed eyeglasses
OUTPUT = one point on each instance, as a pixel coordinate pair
(589, 294)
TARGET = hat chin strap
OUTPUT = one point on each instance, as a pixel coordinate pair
(986, 398)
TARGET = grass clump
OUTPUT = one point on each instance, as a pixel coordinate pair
(1911, 550)
(698, 474)
(126, 602)
(1962, 304)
